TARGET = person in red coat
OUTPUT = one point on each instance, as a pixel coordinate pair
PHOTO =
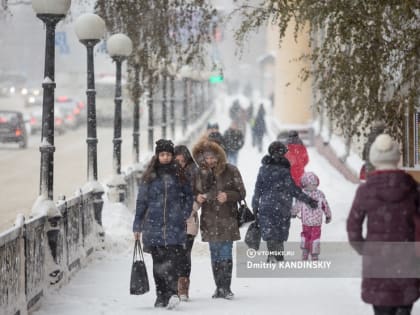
(297, 156)
(388, 200)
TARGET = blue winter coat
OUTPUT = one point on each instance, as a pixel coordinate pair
(163, 205)
(273, 197)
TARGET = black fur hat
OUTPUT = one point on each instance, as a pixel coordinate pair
(277, 149)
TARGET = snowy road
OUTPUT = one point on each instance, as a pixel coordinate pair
(20, 168)
(102, 287)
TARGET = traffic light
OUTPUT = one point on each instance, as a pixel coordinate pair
(216, 76)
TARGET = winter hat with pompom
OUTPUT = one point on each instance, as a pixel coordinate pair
(384, 151)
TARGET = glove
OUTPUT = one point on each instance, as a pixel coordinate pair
(313, 203)
(327, 220)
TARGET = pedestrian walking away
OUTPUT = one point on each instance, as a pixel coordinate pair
(311, 218)
(272, 201)
(164, 202)
(190, 169)
(218, 188)
(297, 156)
(389, 201)
(259, 129)
(234, 141)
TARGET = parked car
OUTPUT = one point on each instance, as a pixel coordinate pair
(36, 121)
(12, 128)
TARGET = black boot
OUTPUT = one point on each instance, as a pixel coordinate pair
(276, 249)
(160, 301)
(215, 265)
(226, 267)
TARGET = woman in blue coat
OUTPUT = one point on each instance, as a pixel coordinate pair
(273, 197)
(164, 203)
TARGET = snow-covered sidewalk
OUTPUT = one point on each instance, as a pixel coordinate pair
(103, 286)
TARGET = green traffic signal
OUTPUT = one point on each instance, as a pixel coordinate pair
(216, 79)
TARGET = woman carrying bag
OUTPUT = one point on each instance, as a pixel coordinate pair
(164, 203)
(218, 188)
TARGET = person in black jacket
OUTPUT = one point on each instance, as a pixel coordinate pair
(273, 196)
(259, 128)
(233, 141)
(164, 202)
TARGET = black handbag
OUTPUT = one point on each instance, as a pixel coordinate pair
(245, 215)
(253, 236)
(139, 282)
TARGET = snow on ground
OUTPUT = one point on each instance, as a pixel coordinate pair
(103, 286)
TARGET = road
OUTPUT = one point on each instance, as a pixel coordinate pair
(20, 168)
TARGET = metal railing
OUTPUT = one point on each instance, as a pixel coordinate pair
(42, 252)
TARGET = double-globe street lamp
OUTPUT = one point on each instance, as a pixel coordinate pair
(119, 47)
(90, 28)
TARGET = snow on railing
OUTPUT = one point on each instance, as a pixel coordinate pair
(43, 252)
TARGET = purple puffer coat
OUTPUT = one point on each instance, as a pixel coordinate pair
(388, 200)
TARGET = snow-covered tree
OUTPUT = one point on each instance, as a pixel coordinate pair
(164, 32)
(365, 55)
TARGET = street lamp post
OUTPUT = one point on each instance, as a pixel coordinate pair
(89, 29)
(164, 104)
(119, 48)
(136, 113)
(152, 68)
(185, 73)
(194, 104)
(50, 12)
(172, 73)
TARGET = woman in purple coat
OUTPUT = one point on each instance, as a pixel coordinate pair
(388, 200)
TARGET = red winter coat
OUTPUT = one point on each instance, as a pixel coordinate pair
(388, 200)
(298, 158)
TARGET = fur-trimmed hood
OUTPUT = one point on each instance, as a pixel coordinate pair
(206, 146)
